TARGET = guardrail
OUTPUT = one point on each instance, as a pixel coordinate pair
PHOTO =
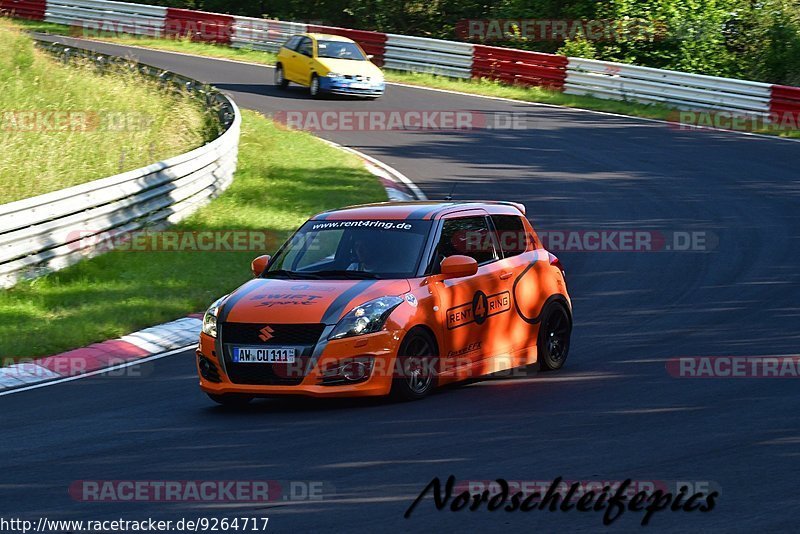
(419, 54)
(94, 16)
(619, 81)
(54, 230)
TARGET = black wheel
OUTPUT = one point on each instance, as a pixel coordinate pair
(554, 333)
(280, 80)
(313, 88)
(416, 362)
(230, 400)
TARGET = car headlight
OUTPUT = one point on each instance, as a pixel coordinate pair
(367, 318)
(210, 317)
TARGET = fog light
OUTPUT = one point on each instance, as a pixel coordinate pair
(354, 371)
(348, 371)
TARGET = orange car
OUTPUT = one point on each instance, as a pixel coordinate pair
(390, 298)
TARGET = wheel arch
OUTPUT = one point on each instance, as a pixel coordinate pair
(427, 329)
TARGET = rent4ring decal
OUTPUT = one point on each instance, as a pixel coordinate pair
(477, 311)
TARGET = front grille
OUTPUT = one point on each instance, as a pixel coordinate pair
(282, 334)
(357, 77)
(303, 337)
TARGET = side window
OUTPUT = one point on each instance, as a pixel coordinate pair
(305, 47)
(292, 43)
(467, 236)
(511, 234)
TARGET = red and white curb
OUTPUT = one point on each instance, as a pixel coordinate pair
(179, 334)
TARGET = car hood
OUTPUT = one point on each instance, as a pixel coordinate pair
(303, 301)
(351, 67)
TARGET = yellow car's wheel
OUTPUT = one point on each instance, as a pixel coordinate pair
(280, 80)
(313, 87)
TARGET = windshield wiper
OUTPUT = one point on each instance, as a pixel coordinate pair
(281, 273)
(345, 274)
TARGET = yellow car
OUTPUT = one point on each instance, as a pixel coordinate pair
(328, 64)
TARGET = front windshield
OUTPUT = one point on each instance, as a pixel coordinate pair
(339, 50)
(352, 249)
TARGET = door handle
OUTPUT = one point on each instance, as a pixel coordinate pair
(506, 275)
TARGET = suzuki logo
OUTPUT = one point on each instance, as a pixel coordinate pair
(266, 333)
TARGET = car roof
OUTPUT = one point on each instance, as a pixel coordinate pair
(418, 210)
(329, 37)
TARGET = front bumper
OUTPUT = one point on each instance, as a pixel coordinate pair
(381, 347)
(351, 87)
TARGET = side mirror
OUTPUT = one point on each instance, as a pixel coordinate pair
(458, 266)
(370, 57)
(259, 264)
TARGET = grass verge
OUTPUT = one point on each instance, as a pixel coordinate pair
(282, 178)
(62, 126)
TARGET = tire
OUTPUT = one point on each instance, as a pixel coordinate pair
(416, 359)
(554, 334)
(280, 80)
(230, 400)
(313, 87)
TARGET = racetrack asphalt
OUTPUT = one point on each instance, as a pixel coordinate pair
(613, 412)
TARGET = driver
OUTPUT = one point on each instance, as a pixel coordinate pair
(362, 254)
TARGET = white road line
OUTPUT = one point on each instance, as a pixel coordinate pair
(98, 372)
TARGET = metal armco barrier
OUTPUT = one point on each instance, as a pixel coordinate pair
(54, 230)
(619, 81)
(418, 54)
(89, 17)
(519, 67)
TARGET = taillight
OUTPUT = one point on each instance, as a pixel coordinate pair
(557, 263)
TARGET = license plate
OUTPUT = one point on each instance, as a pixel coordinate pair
(263, 354)
(359, 85)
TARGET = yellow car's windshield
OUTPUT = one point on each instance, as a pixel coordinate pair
(339, 50)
